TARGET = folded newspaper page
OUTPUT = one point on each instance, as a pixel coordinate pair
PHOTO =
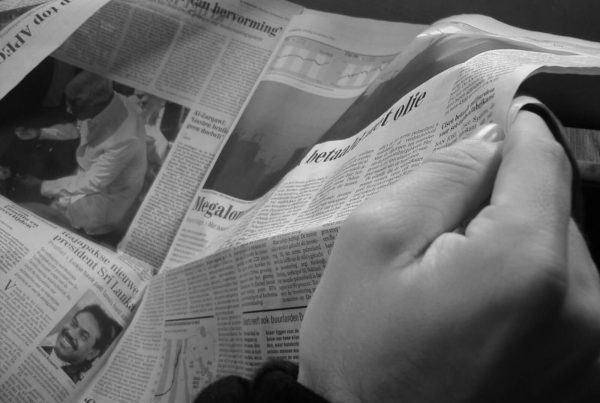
(231, 208)
(173, 178)
(320, 68)
(28, 39)
(243, 301)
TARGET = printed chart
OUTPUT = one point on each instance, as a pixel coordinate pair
(188, 367)
(321, 64)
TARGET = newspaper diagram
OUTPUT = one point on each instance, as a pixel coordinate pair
(189, 361)
(325, 65)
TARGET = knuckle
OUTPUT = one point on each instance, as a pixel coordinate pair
(542, 273)
(469, 156)
(533, 259)
(371, 225)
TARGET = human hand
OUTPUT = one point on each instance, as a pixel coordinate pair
(26, 134)
(411, 310)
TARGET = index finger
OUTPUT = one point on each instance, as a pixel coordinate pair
(533, 184)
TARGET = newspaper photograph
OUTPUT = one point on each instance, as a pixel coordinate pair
(71, 345)
(85, 151)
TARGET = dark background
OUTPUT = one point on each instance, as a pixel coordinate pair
(565, 17)
(577, 18)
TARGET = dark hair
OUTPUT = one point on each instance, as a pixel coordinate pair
(109, 328)
(90, 88)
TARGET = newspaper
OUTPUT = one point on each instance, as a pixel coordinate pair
(458, 92)
(322, 65)
(259, 127)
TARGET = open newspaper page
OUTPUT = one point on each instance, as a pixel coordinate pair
(87, 175)
(191, 65)
(169, 352)
(246, 169)
(178, 74)
(244, 301)
(321, 67)
(63, 302)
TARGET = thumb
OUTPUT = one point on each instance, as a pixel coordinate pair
(436, 197)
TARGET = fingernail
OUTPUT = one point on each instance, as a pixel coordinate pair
(491, 132)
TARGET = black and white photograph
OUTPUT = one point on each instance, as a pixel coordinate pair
(81, 150)
(323, 201)
(279, 125)
(82, 336)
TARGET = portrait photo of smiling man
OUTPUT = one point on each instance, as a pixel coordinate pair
(80, 339)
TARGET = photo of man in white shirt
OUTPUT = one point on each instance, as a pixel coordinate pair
(111, 159)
